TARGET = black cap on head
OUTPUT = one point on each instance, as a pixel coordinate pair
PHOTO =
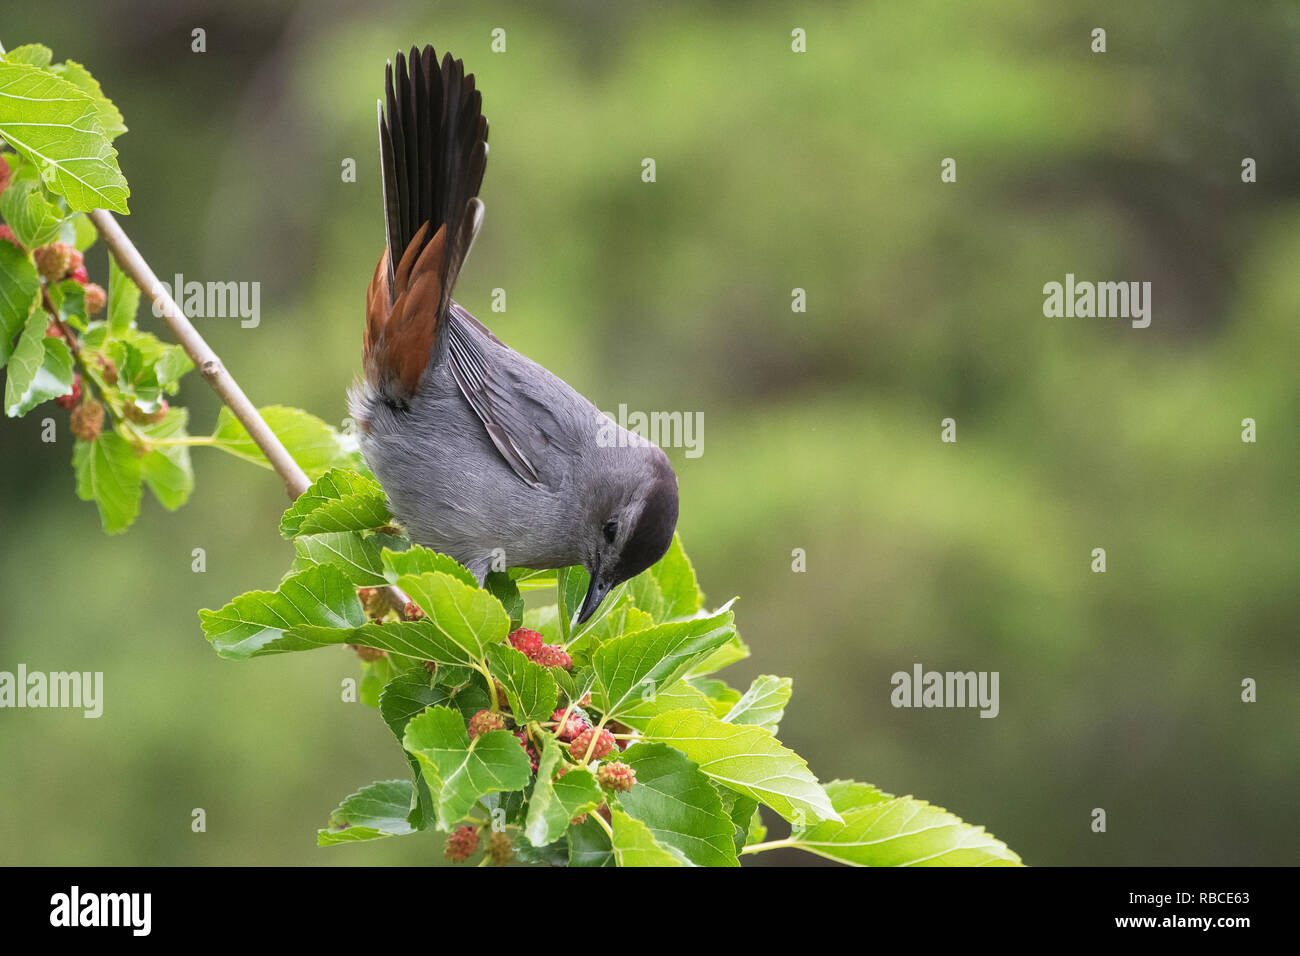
(653, 534)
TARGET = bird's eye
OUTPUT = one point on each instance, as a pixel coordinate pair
(611, 529)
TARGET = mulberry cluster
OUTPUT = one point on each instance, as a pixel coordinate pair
(533, 646)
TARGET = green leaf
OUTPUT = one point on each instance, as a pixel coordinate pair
(167, 470)
(646, 595)
(676, 696)
(763, 704)
(879, 829)
(467, 616)
(108, 473)
(747, 759)
(529, 687)
(34, 219)
(357, 556)
(40, 368)
(123, 299)
(679, 805)
(84, 233)
(402, 698)
(35, 54)
(314, 445)
(261, 622)
(529, 579)
(635, 845)
(677, 583)
(571, 587)
(56, 126)
(631, 668)
(339, 500)
(460, 771)
(589, 845)
(20, 291)
(726, 655)
(372, 813)
(418, 560)
(110, 118)
(555, 802)
(742, 810)
(500, 586)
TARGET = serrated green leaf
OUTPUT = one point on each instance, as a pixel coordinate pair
(372, 813)
(646, 595)
(589, 845)
(879, 829)
(110, 118)
(34, 219)
(339, 500)
(500, 586)
(679, 695)
(417, 560)
(56, 126)
(314, 445)
(763, 704)
(555, 802)
(633, 667)
(34, 54)
(108, 473)
(123, 299)
(726, 655)
(678, 586)
(742, 810)
(262, 622)
(679, 804)
(529, 687)
(167, 470)
(40, 368)
(467, 616)
(20, 291)
(635, 845)
(747, 759)
(356, 555)
(460, 771)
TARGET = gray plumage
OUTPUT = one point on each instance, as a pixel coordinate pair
(483, 453)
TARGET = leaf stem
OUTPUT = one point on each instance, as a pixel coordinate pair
(609, 831)
(770, 845)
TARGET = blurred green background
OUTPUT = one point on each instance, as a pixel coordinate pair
(776, 170)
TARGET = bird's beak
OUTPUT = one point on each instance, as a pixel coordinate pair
(596, 592)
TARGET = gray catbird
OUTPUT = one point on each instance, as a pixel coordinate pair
(484, 454)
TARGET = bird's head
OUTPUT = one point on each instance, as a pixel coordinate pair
(629, 520)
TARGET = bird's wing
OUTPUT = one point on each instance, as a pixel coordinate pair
(519, 425)
(433, 149)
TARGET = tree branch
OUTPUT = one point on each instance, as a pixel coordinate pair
(205, 360)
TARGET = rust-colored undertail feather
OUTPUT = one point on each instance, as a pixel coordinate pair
(433, 149)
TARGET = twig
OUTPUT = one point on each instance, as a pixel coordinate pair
(206, 361)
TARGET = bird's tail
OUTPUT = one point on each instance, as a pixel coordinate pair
(433, 149)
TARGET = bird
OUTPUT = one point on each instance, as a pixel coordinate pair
(483, 454)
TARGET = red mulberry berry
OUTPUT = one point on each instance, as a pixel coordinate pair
(96, 299)
(461, 844)
(79, 274)
(526, 641)
(583, 742)
(368, 654)
(53, 261)
(571, 727)
(485, 721)
(616, 775)
(528, 748)
(88, 420)
(552, 655)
